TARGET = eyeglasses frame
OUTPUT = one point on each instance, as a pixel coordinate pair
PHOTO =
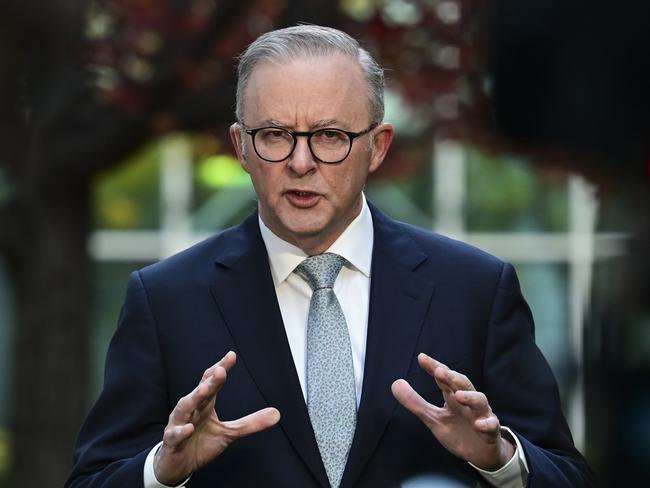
(308, 134)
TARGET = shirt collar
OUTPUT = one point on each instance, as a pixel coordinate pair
(354, 244)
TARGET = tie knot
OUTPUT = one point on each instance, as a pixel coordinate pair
(320, 271)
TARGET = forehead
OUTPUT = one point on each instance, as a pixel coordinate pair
(306, 90)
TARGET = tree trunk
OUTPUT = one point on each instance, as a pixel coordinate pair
(52, 277)
(66, 136)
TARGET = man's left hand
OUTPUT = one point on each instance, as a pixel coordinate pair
(465, 425)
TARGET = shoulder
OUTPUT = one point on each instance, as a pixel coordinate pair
(442, 256)
(436, 245)
(197, 262)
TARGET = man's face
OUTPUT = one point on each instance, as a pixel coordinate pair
(306, 202)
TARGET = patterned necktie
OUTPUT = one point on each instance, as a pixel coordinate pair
(331, 392)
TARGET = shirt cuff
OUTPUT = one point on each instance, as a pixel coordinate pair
(514, 474)
(150, 480)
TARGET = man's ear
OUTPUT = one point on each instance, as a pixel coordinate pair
(237, 139)
(382, 137)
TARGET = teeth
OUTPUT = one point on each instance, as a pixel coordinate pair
(302, 193)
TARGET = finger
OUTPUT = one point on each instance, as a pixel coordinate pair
(226, 362)
(215, 382)
(176, 435)
(437, 370)
(413, 401)
(453, 379)
(252, 423)
(429, 364)
(198, 398)
(489, 425)
(475, 400)
(218, 373)
(444, 386)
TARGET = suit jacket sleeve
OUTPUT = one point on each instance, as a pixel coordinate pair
(130, 415)
(523, 393)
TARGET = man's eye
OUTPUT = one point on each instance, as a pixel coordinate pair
(274, 135)
(331, 135)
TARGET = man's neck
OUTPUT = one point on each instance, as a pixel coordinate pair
(318, 243)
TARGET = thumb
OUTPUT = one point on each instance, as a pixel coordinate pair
(413, 401)
(254, 422)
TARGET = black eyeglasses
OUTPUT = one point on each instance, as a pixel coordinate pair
(328, 145)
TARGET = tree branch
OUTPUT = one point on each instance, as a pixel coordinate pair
(78, 135)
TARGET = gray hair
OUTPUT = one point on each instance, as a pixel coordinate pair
(310, 40)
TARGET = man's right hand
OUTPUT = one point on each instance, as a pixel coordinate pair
(194, 435)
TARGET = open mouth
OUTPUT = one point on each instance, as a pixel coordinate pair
(302, 199)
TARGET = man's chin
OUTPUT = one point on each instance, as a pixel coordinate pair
(309, 235)
(307, 232)
(304, 223)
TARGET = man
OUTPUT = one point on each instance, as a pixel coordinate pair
(334, 314)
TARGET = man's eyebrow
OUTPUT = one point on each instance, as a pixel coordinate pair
(272, 123)
(318, 125)
(327, 123)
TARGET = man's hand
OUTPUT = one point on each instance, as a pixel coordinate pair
(195, 436)
(465, 424)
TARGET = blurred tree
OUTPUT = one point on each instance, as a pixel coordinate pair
(429, 51)
(83, 85)
(570, 85)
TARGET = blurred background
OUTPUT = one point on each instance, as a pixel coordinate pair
(521, 127)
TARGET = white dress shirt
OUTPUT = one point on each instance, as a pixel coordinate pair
(352, 288)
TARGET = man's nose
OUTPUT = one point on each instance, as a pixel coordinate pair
(302, 161)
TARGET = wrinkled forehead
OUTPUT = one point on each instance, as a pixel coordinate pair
(310, 86)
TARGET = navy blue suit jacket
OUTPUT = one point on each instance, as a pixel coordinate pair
(428, 294)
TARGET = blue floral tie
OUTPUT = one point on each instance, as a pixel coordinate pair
(331, 392)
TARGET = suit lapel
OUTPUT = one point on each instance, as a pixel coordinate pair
(245, 295)
(399, 299)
